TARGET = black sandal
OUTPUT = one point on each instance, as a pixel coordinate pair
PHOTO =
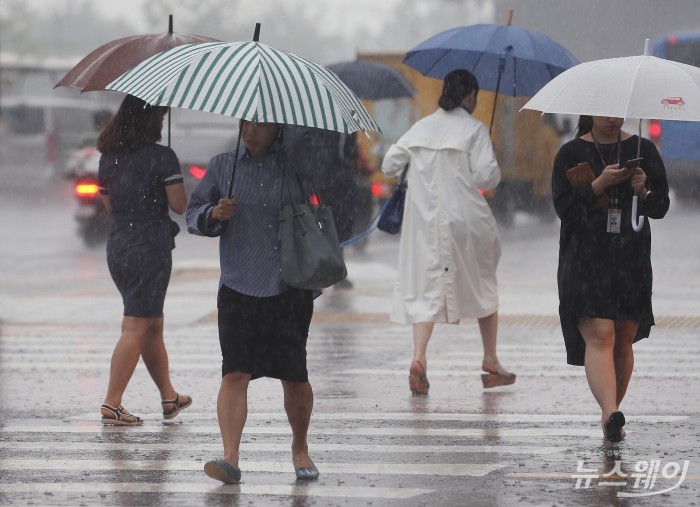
(613, 428)
(177, 406)
(119, 417)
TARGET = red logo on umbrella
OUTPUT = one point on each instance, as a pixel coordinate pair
(673, 101)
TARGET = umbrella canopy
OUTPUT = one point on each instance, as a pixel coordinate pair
(250, 81)
(630, 87)
(109, 61)
(373, 81)
(502, 57)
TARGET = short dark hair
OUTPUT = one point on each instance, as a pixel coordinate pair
(457, 85)
(135, 123)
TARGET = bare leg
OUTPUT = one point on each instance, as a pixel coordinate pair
(496, 374)
(488, 327)
(418, 371)
(125, 358)
(422, 331)
(623, 355)
(599, 335)
(232, 410)
(298, 403)
(155, 357)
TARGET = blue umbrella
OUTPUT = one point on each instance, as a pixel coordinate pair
(373, 81)
(505, 58)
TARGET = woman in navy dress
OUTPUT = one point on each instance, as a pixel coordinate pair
(139, 181)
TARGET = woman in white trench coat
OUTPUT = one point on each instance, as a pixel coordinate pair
(449, 248)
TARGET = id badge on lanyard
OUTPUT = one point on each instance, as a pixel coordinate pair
(614, 219)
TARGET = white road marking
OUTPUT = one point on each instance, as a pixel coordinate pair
(678, 371)
(284, 448)
(348, 417)
(307, 490)
(690, 371)
(174, 465)
(478, 433)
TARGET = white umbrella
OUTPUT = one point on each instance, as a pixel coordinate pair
(643, 87)
(631, 87)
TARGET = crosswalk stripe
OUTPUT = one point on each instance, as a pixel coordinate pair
(543, 356)
(307, 490)
(174, 465)
(685, 371)
(678, 371)
(285, 430)
(348, 417)
(101, 340)
(284, 447)
(565, 475)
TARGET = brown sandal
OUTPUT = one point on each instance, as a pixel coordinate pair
(176, 404)
(417, 378)
(496, 376)
(119, 417)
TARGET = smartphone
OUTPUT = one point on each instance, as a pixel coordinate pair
(633, 163)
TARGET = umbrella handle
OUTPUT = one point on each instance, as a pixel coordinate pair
(636, 224)
(235, 162)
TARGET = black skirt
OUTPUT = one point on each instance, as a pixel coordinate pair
(142, 279)
(265, 337)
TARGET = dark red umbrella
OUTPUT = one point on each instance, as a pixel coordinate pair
(111, 60)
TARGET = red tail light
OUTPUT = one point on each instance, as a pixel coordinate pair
(655, 131)
(86, 189)
(377, 189)
(314, 200)
(197, 172)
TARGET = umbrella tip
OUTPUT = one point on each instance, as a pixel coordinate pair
(170, 23)
(510, 17)
(256, 35)
(646, 47)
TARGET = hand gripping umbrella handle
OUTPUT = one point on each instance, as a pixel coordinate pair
(636, 224)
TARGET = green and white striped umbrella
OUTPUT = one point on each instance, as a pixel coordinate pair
(250, 81)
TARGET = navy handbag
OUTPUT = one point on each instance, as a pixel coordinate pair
(392, 213)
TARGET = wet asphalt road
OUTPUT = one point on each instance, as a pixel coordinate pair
(537, 442)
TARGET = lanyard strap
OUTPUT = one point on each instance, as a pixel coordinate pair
(600, 152)
(613, 189)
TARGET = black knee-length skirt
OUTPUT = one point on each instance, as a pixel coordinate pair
(142, 279)
(265, 337)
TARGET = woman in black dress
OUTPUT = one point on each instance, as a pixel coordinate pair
(605, 275)
(139, 180)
